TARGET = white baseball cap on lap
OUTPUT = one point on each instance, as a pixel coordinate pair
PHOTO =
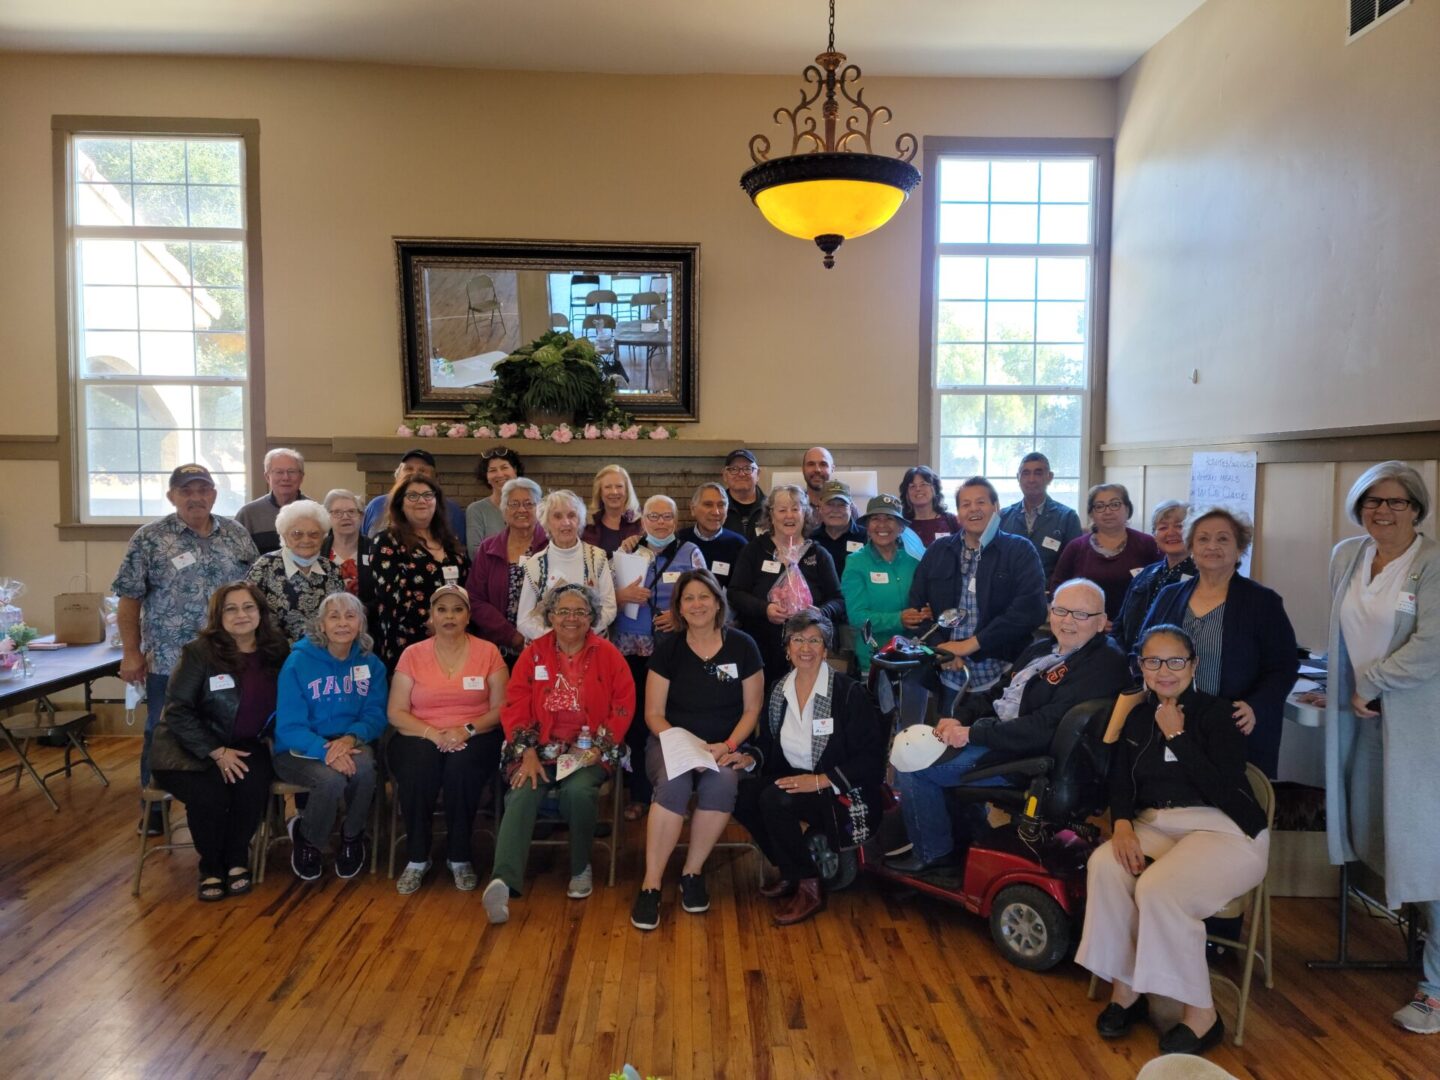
(918, 747)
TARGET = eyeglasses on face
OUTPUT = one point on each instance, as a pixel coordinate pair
(741, 470)
(305, 534)
(657, 518)
(1079, 616)
(1370, 502)
(519, 504)
(288, 473)
(344, 513)
(1111, 504)
(1174, 663)
(810, 642)
(572, 613)
(419, 496)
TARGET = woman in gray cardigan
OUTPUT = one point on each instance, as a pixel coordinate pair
(1382, 736)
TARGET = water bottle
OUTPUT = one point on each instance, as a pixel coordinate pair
(584, 742)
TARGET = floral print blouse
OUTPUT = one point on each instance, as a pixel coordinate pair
(404, 578)
(294, 598)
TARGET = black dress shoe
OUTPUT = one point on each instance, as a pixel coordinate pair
(1116, 1021)
(1181, 1040)
(910, 863)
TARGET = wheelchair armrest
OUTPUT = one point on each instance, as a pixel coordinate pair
(1031, 766)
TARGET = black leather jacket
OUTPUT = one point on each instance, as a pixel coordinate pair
(197, 719)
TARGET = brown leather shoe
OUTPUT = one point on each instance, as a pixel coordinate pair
(807, 901)
(779, 889)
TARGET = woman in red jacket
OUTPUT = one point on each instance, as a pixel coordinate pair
(567, 708)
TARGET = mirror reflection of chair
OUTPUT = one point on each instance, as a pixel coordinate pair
(483, 302)
(624, 286)
(580, 286)
(600, 329)
(559, 321)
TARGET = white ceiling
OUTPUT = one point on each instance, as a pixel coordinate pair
(1047, 38)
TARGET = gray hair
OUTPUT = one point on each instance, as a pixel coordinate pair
(803, 620)
(1240, 524)
(664, 499)
(1403, 474)
(551, 600)
(555, 499)
(315, 628)
(1169, 506)
(795, 491)
(520, 483)
(300, 510)
(1082, 583)
(342, 493)
(710, 485)
(284, 451)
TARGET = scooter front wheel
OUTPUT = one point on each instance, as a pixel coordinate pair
(1030, 929)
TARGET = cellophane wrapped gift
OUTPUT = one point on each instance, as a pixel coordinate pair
(791, 592)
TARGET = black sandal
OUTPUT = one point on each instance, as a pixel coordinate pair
(210, 890)
(238, 882)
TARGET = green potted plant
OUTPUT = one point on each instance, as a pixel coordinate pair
(554, 379)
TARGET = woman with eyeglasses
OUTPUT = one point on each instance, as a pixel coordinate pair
(819, 761)
(415, 554)
(1189, 837)
(568, 706)
(1245, 645)
(296, 577)
(1382, 742)
(1167, 525)
(566, 559)
(1111, 553)
(346, 545)
(707, 679)
(923, 505)
(486, 517)
(614, 510)
(499, 570)
(649, 596)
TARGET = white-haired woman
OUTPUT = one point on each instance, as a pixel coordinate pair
(498, 571)
(1167, 525)
(345, 545)
(614, 510)
(297, 577)
(330, 708)
(1382, 743)
(649, 595)
(565, 559)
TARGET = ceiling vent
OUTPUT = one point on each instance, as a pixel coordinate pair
(1365, 15)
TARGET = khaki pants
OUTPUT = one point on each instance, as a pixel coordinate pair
(1149, 931)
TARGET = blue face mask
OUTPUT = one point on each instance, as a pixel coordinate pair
(657, 544)
(301, 560)
(990, 530)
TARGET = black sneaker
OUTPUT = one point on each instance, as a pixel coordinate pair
(154, 823)
(694, 897)
(645, 915)
(305, 858)
(350, 859)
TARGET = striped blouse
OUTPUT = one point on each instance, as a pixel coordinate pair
(1208, 632)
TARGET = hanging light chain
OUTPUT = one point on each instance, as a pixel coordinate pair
(831, 47)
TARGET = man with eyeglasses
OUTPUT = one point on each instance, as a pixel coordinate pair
(284, 472)
(838, 532)
(1047, 524)
(709, 506)
(415, 462)
(1015, 718)
(746, 515)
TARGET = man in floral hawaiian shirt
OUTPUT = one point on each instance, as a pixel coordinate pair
(164, 583)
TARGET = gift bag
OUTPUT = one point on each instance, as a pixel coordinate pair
(78, 616)
(791, 592)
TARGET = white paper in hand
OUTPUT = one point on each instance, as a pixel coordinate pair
(628, 569)
(684, 753)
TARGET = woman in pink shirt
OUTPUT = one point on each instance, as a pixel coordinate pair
(445, 700)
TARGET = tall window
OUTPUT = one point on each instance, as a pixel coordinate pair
(160, 316)
(1012, 273)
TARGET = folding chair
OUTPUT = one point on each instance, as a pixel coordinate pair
(43, 723)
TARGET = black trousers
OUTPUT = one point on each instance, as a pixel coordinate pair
(636, 735)
(422, 773)
(773, 817)
(222, 817)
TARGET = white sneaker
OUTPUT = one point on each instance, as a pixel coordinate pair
(496, 899)
(581, 885)
(1421, 1016)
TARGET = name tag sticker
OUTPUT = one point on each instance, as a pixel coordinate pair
(1136, 570)
(360, 673)
(364, 560)
(721, 569)
(669, 577)
(1406, 603)
(729, 669)
(180, 562)
(1170, 756)
(879, 577)
(222, 682)
(1051, 543)
(852, 546)
(770, 566)
(761, 530)
(474, 682)
(971, 587)
(541, 674)
(941, 536)
(1186, 577)
(451, 573)
(822, 726)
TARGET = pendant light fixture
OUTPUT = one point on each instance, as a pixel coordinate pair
(830, 189)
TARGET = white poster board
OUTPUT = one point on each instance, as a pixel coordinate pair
(864, 483)
(1222, 478)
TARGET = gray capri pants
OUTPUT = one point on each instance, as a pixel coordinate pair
(714, 790)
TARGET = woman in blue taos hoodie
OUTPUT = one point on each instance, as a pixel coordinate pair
(330, 707)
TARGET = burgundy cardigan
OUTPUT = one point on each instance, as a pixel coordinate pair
(489, 586)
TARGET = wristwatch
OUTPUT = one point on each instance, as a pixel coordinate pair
(470, 729)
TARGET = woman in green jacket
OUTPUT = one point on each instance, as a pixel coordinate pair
(877, 577)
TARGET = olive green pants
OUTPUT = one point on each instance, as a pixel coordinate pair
(579, 798)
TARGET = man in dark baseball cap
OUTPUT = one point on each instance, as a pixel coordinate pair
(747, 514)
(415, 462)
(187, 474)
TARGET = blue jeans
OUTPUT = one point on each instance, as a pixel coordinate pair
(922, 801)
(155, 688)
(1430, 963)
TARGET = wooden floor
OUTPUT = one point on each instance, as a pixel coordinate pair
(350, 979)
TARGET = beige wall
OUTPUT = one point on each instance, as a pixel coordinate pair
(1276, 225)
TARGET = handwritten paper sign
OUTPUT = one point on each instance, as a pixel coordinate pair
(1225, 479)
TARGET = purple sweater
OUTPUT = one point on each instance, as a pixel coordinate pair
(489, 586)
(1079, 559)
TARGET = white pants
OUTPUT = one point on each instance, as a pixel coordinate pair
(1149, 931)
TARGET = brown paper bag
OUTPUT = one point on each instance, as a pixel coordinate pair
(78, 618)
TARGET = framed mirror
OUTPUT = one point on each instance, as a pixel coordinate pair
(467, 304)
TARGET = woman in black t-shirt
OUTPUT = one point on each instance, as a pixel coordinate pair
(708, 681)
